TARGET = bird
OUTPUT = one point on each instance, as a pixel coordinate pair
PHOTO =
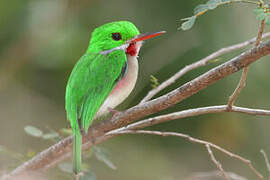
(102, 78)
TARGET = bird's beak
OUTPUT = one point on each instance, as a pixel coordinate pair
(142, 37)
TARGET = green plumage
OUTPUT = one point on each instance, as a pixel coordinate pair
(93, 78)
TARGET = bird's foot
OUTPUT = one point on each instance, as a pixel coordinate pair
(77, 176)
(113, 111)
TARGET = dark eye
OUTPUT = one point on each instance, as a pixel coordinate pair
(116, 36)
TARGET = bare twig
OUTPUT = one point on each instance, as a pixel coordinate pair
(190, 113)
(238, 89)
(194, 140)
(242, 82)
(96, 133)
(214, 174)
(217, 163)
(198, 64)
(260, 34)
(266, 162)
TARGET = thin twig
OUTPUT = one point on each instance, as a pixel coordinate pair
(238, 89)
(190, 113)
(260, 34)
(216, 162)
(194, 140)
(242, 81)
(266, 162)
(198, 64)
(214, 174)
(95, 135)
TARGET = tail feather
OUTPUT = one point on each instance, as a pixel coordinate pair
(77, 152)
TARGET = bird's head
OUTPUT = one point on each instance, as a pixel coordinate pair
(118, 35)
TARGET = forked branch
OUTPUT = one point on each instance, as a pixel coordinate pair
(242, 82)
(208, 145)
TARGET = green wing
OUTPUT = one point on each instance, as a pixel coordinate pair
(90, 82)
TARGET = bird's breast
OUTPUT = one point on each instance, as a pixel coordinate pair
(123, 87)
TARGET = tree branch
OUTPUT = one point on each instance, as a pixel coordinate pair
(242, 82)
(238, 89)
(214, 174)
(189, 113)
(218, 164)
(197, 141)
(96, 133)
(266, 162)
(201, 63)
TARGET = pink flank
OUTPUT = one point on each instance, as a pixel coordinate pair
(120, 84)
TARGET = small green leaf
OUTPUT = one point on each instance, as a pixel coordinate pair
(189, 23)
(33, 131)
(212, 4)
(261, 16)
(52, 135)
(267, 20)
(258, 11)
(66, 167)
(103, 156)
(88, 176)
(30, 153)
(200, 8)
(215, 60)
(154, 82)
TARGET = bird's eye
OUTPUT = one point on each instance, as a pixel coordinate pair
(116, 36)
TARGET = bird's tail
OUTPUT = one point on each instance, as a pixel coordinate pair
(77, 152)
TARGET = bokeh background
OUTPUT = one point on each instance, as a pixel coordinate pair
(41, 40)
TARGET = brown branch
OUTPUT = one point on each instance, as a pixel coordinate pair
(214, 174)
(200, 63)
(242, 82)
(197, 141)
(238, 89)
(96, 133)
(218, 164)
(260, 34)
(266, 162)
(189, 113)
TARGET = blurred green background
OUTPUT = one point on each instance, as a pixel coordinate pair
(41, 40)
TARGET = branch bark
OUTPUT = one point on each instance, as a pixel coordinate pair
(96, 133)
(189, 113)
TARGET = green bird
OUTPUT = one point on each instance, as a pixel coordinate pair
(102, 78)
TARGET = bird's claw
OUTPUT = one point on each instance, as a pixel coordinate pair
(113, 111)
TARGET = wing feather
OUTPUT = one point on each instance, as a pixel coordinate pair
(90, 83)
